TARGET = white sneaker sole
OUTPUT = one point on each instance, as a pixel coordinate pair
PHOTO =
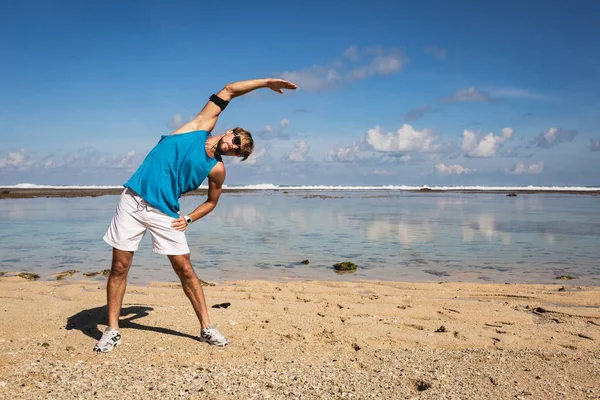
(106, 349)
(213, 344)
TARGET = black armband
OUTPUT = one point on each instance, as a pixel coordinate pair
(219, 101)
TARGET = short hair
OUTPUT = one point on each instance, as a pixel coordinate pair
(247, 142)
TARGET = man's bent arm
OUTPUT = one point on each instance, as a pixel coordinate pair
(207, 118)
(215, 188)
(216, 178)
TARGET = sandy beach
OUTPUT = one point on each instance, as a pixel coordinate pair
(304, 340)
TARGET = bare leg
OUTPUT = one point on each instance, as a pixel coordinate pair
(117, 282)
(191, 286)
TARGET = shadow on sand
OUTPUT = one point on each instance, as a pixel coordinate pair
(87, 321)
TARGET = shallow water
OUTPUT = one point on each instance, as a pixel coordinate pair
(390, 235)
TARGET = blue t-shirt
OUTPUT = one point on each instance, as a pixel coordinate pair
(176, 165)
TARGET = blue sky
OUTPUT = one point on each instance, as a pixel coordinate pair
(390, 92)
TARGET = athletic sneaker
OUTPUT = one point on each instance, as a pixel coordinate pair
(212, 336)
(110, 339)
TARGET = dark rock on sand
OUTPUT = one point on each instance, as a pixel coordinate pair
(28, 275)
(221, 305)
(305, 262)
(345, 266)
(62, 275)
(441, 329)
(511, 195)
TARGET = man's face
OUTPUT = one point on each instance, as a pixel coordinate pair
(230, 145)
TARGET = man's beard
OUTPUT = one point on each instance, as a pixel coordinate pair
(218, 149)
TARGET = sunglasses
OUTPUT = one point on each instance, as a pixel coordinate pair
(237, 141)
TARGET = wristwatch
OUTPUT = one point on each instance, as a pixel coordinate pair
(188, 220)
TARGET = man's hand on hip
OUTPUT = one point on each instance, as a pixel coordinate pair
(180, 224)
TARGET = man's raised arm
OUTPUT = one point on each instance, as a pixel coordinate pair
(207, 118)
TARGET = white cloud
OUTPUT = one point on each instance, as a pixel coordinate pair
(436, 52)
(278, 132)
(471, 94)
(351, 53)
(176, 121)
(254, 158)
(443, 169)
(74, 159)
(405, 139)
(383, 64)
(129, 161)
(516, 93)
(552, 137)
(380, 172)
(299, 152)
(594, 145)
(520, 169)
(314, 78)
(475, 146)
(343, 154)
(17, 160)
(325, 77)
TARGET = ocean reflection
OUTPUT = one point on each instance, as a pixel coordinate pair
(485, 226)
(392, 236)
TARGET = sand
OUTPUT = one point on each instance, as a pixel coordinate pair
(304, 340)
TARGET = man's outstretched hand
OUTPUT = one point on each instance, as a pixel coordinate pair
(278, 85)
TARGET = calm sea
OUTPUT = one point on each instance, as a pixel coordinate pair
(390, 235)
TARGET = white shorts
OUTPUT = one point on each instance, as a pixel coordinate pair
(133, 217)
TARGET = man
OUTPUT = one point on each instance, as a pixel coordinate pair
(178, 164)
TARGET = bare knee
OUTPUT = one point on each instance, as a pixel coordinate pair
(182, 266)
(121, 262)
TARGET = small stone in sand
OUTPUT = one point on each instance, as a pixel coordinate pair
(221, 305)
(305, 262)
(355, 346)
(422, 385)
(441, 329)
(29, 275)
